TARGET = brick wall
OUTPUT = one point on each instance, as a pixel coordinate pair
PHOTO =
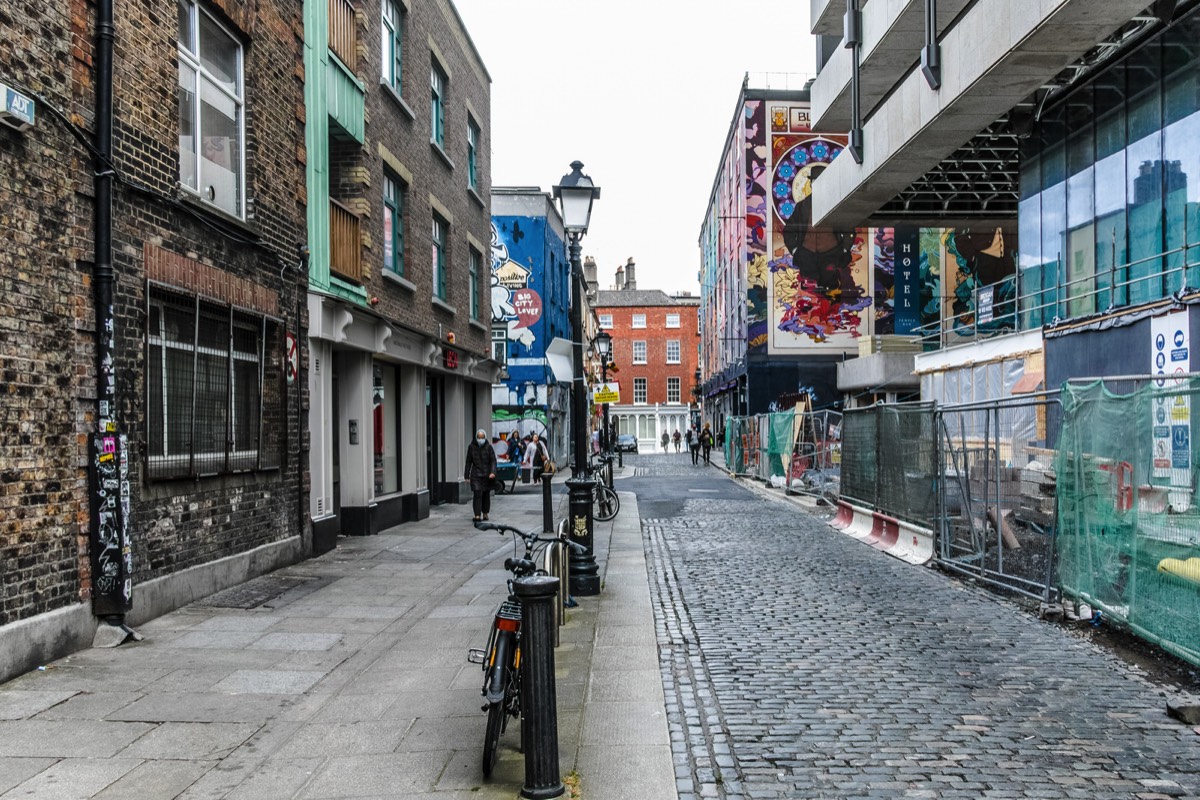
(401, 127)
(46, 376)
(47, 323)
(656, 334)
(185, 244)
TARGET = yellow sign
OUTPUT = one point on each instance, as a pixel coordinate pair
(606, 393)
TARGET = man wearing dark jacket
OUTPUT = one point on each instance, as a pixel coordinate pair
(481, 472)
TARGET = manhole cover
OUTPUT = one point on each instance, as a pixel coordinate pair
(254, 593)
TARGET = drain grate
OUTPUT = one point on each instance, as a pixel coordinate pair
(254, 593)
(639, 472)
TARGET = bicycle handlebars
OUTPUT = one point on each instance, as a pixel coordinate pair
(530, 538)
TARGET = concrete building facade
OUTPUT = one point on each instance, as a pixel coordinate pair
(1075, 120)
(398, 191)
(793, 311)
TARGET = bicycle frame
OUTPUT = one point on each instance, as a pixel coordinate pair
(501, 659)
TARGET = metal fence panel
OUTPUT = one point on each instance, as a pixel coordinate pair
(1129, 510)
(997, 505)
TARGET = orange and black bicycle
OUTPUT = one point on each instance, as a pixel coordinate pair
(501, 659)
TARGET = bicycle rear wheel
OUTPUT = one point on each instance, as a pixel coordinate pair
(606, 504)
(491, 737)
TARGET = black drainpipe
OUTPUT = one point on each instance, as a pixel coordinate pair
(109, 540)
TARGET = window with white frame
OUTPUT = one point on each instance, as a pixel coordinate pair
(672, 320)
(639, 352)
(440, 228)
(672, 351)
(437, 106)
(212, 397)
(639, 390)
(393, 45)
(639, 321)
(500, 345)
(672, 390)
(606, 320)
(212, 130)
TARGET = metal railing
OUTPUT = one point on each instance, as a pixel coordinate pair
(345, 243)
(1053, 304)
(343, 32)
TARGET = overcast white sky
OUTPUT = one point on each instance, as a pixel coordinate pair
(642, 92)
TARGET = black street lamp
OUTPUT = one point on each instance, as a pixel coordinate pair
(603, 346)
(575, 194)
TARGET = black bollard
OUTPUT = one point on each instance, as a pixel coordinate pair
(539, 700)
(585, 573)
(547, 506)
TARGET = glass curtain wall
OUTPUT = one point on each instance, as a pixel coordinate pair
(1109, 212)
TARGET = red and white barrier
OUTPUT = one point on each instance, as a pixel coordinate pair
(902, 540)
(845, 514)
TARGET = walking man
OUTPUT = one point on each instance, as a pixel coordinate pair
(706, 441)
(480, 470)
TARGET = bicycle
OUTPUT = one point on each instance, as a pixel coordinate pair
(501, 659)
(605, 503)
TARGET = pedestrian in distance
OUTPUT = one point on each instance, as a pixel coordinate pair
(539, 456)
(706, 441)
(693, 443)
(666, 441)
(676, 437)
(480, 470)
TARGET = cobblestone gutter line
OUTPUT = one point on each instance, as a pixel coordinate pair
(704, 765)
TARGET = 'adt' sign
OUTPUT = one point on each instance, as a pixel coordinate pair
(18, 111)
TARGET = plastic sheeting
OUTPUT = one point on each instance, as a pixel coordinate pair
(1128, 524)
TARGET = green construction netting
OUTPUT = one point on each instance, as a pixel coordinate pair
(761, 445)
(1128, 514)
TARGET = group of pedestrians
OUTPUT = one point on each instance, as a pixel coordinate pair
(699, 443)
(529, 454)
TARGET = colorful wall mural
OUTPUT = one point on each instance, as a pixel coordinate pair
(758, 187)
(812, 289)
(818, 279)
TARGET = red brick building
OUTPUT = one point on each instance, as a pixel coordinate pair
(656, 344)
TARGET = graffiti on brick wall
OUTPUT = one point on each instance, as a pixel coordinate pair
(111, 579)
(111, 554)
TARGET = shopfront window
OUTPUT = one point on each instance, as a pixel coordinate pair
(386, 450)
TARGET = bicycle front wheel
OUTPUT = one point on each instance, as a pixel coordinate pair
(606, 504)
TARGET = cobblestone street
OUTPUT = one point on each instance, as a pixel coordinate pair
(799, 663)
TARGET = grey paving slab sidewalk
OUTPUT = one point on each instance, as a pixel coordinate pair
(351, 683)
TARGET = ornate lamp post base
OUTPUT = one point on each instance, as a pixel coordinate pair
(585, 573)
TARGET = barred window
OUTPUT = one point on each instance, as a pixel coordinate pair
(214, 402)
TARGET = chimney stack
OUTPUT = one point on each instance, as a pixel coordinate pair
(620, 284)
(630, 277)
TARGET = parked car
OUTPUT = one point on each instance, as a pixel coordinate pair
(627, 443)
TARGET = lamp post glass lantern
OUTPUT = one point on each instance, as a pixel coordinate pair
(575, 194)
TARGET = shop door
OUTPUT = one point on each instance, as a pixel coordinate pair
(434, 438)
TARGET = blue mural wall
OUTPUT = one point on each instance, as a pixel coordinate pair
(530, 301)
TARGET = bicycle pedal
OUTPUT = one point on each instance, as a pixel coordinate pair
(476, 656)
